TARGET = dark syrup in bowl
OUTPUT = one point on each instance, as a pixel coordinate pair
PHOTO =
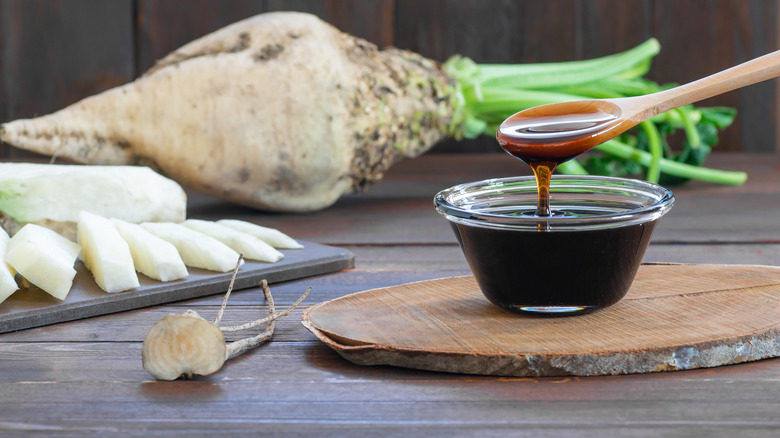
(580, 258)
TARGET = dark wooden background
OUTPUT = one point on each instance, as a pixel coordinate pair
(55, 52)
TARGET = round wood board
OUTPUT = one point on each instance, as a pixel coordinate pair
(675, 317)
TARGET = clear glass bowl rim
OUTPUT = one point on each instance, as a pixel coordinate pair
(453, 203)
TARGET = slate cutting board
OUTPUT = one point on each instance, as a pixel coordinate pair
(33, 307)
(674, 317)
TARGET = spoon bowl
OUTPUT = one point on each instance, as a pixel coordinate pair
(570, 119)
(559, 131)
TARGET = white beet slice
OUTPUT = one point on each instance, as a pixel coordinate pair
(271, 236)
(44, 258)
(196, 249)
(7, 283)
(154, 257)
(250, 246)
(106, 254)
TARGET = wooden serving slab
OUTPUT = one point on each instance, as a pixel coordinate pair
(32, 308)
(674, 317)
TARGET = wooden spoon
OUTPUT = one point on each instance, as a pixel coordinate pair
(560, 131)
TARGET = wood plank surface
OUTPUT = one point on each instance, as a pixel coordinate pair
(54, 53)
(270, 391)
(752, 33)
(85, 377)
(378, 400)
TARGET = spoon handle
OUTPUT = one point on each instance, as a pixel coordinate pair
(747, 73)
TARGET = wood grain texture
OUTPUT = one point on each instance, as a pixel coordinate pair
(369, 19)
(54, 53)
(675, 317)
(695, 43)
(609, 26)
(84, 378)
(254, 395)
(163, 26)
(487, 32)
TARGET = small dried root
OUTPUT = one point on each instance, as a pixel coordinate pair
(187, 345)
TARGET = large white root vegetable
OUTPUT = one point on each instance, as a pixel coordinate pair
(280, 111)
(53, 195)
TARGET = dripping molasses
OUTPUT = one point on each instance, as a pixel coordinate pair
(544, 140)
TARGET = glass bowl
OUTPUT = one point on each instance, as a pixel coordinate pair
(581, 258)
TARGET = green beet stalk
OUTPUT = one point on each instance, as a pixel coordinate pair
(654, 141)
(671, 167)
(487, 94)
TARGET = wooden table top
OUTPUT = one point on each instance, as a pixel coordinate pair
(85, 377)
